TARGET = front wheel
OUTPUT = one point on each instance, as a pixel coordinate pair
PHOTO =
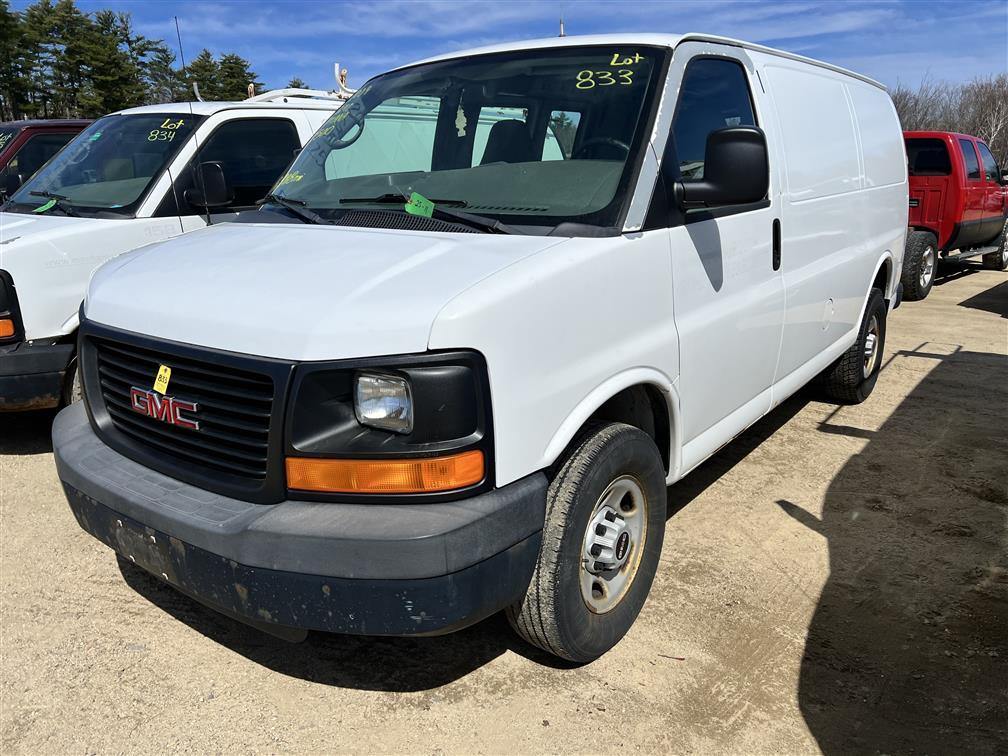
(998, 260)
(851, 379)
(605, 521)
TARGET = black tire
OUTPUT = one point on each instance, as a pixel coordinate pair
(73, 391)
(920, 261)
(850, 380)
(553, 615)
(998, 260)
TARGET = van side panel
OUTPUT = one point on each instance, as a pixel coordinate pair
(825, 255)
(884, 198)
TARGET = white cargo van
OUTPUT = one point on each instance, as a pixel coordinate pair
(129, 179)
(436, 378)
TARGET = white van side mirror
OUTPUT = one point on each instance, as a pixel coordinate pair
(736, 170)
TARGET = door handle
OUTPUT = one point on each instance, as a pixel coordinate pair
(776, 244)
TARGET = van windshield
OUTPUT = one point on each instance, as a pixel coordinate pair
(529, 138)
(108, 166)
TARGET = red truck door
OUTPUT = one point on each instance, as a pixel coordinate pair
(994, 195)
(974, 195)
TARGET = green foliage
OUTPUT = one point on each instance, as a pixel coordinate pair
(297, 83)
(59, 62)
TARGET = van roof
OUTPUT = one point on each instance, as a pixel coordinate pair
(209, 108)
(656, 40)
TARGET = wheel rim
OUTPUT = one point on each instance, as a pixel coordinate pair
(927, 267)
(613, 544)
(871, 347)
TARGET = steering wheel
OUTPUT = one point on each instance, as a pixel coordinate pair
(607, 141)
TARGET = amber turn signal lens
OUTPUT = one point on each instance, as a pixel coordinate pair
(386, 476)
(6, 328)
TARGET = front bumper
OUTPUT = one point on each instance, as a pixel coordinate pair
(373, 569)
(31, 375)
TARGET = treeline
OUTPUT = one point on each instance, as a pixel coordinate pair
(978, 107)
(59, 62)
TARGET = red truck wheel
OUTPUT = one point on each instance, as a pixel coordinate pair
(998, 260)
(920, 262)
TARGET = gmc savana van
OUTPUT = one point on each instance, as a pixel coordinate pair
(129, 179)
(436, 377)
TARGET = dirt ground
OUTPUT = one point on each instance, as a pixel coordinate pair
(834, 580)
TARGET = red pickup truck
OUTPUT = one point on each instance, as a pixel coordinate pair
(25, 146)
(958, 206)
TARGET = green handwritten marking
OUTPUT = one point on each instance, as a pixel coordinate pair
(420, 205)
(95, 137)
(47, 206)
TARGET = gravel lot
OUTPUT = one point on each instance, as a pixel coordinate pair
(834, 580)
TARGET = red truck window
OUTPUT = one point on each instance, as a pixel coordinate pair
(928, 157)
(989, 163)
(969, 155)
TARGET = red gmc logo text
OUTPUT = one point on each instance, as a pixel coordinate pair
(167, 409)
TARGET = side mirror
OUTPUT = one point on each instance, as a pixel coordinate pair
(736, 170)
(210, 187)
(1004, 179)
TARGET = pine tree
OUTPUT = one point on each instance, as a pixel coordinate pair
(203, 70)
(235, 77)
(163, 82)
(297, 83)
(12, 74)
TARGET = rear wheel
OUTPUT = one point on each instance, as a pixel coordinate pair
(998, 260)
(605, 521)
(920, 263)
(851, 379)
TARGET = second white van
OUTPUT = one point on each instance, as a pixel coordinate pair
(450, 370)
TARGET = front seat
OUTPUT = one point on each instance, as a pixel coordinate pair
(508, 142)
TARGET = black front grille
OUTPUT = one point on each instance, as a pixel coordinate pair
(234, 408)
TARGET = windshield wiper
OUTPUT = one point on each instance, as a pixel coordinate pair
(479, 222)
(295, 206)
(59, 201)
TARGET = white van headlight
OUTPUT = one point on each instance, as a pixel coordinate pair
(384, 402)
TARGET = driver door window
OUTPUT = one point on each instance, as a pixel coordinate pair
(714, 95)
(253, 152)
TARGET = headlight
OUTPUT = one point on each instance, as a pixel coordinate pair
(384, 402)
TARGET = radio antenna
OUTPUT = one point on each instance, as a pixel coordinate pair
(561, 26)
(195, 168)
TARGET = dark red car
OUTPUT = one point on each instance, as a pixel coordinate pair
(958, 206)
(25, 146)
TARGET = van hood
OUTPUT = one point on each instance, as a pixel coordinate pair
(51, 257)
(298, 292)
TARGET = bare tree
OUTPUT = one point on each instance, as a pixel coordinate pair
(978, 107)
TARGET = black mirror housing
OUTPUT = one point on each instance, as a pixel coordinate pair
(210, 188)
(736, 170)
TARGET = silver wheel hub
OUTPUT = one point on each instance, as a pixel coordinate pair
(871, 350)
(927, 267)
(611, 550)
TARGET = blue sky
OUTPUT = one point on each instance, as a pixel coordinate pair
(890, 41)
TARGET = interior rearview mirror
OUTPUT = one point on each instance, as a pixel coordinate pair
(736, 170)
(210, 187)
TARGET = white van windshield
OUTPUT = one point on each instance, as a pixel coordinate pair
(529, 138)
(108, 166)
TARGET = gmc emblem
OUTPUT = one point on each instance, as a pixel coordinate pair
(167, 409)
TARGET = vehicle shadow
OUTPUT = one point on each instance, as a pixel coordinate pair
(952, 270)
(993, 300)
(27, 432)
(907, 648)
(347, 661)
